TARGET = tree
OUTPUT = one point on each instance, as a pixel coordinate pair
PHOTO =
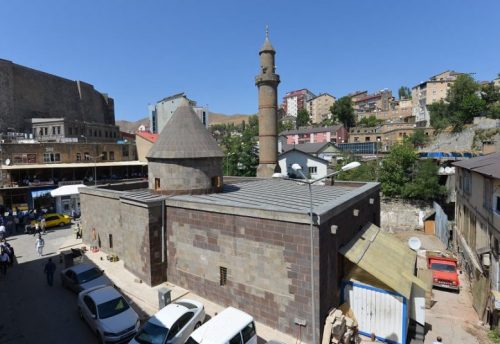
(461, 105)
(396, 169)
(285, 125)
(490, 93)
(371, 121)
(404, 92)
(425, 183)
(303, 118)
(419, 139)
(367, 172)
(342, 112)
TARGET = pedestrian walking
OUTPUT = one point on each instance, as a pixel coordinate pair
(40, 243)
(3, 232)
(42, 224)
(49, 270)
(4, 261)
(78, 231)
(37, 229)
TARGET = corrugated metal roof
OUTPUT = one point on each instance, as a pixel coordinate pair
(384, 257)
(280, 196)
(488, 165)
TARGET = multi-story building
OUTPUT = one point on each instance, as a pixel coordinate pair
(27, 93)
(161, 112)
(385, 135)
(319, 107)
(65, 130)
(335, 134)
(428, 92)
(477, 232)
(295, 101)
(366, 105)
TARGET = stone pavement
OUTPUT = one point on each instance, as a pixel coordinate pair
(146, 297)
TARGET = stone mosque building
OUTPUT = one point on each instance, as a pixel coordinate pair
(244, 244)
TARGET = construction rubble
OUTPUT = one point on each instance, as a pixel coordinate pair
(340, 327)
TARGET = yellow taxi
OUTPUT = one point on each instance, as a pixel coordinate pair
(54, 219)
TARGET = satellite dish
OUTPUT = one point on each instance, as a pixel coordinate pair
(414, 243)
(7, 162)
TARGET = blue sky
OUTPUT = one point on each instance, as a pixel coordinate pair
(141, 51)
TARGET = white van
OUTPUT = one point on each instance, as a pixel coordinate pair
(231, 326)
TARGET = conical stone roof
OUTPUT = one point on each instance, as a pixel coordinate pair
(185, 137)
(267, 46)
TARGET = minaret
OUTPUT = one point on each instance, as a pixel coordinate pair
(267, 82)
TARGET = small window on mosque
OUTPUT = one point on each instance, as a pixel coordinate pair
(222, 275)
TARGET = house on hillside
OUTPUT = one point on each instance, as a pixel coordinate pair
(312, 166)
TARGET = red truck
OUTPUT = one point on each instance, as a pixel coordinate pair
(444, 271)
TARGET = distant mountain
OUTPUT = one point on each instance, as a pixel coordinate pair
(220, 118)
(131, 127)
(213, 118)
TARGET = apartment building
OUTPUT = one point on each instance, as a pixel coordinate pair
(319, 107)
(335, 134)
(161, 112)
(477, 232)
(295, 101)
(66, 130)
(428, 92)
(371, 104)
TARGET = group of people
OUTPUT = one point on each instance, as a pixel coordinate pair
(15, 221)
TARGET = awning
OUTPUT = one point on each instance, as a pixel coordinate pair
(74, 165)
(67, 190)
(384, 257)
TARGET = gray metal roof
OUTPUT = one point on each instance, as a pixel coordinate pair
(311, 148)
(279, 195)
(488, 165)
(184, 136)
(142, 195)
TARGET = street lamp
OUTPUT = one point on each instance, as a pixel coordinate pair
(84, 137)
(297, 168)
(94, 157)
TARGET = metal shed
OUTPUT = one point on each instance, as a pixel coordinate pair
(381, 288)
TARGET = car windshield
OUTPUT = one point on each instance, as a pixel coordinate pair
(112, 308)
(151, 334)
(442, 267)
(89, 275)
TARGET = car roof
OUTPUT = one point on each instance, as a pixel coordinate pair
(104, 294)
(169, 314)
(221, 328)
(52, 214)
(81, 267)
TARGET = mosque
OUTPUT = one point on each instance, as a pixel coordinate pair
(244, 244)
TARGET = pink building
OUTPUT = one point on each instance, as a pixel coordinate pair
(335, 134)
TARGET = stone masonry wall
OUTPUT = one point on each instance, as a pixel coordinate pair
(135, 230)
(32, 93)
(268, 264)
(398, 215)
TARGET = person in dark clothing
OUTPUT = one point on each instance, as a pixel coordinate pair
(49, 270)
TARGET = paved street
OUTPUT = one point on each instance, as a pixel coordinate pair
(30, 310)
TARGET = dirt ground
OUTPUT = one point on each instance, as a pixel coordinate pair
(451, 315)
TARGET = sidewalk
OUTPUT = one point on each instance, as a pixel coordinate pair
(146, 297)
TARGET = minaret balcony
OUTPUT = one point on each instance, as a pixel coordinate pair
(267, 79)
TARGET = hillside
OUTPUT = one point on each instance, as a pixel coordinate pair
(219, 118)
(131, 127)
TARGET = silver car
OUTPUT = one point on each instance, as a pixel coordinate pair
(108, 314)
(83, 276)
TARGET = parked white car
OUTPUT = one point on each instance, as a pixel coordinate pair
(231, 326)
(83, 276)
(108, 314)
(173, 324)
